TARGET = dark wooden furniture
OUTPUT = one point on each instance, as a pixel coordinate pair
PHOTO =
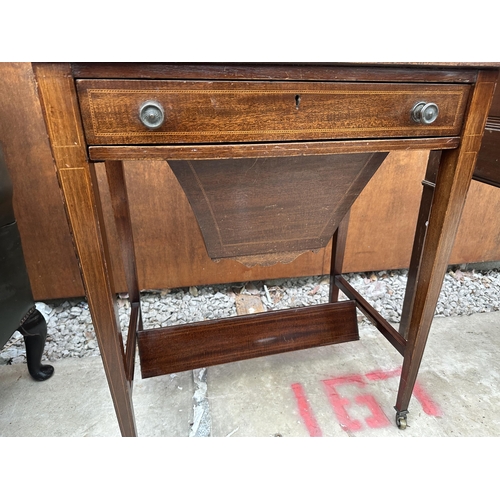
(236, 136)
(17, 307)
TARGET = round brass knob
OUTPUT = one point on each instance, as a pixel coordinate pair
(425, 113)
(151, 114)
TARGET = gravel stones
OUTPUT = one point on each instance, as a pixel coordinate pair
(167, 308)
(70, 332)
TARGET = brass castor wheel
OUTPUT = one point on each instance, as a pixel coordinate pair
(401, 422)
(401, 419)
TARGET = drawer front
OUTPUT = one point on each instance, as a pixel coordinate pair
(213, 112)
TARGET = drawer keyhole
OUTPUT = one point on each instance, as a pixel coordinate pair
(297, 101)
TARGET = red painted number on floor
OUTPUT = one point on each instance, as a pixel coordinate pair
(342, 404)
(306, 411)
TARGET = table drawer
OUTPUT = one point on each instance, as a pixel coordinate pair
(215, 111)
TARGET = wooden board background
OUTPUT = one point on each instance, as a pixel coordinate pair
(169, 246)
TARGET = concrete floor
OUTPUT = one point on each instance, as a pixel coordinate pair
(341, 390)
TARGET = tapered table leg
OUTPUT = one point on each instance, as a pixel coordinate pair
(453, 180)
(79, 187)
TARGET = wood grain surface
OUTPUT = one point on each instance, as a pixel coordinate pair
(381, 72)
(206, 343)
(200, 112)
(250, 207)
(38, 203)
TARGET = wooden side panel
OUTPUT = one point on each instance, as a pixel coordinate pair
(383, 219)
(478, 237)
(48, 250)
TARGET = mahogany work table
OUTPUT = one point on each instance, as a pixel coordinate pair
(271, 158)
